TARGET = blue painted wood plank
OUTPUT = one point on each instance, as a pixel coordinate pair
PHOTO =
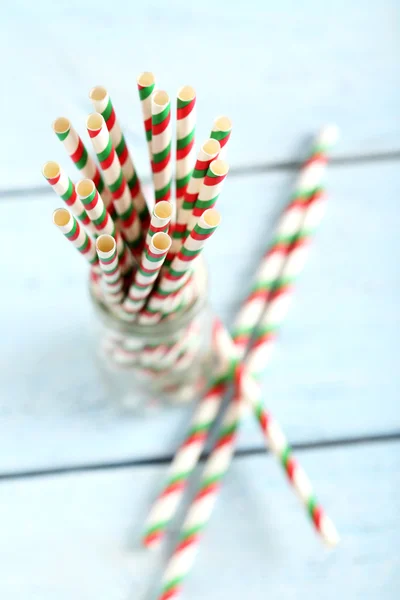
(335, 371)
(280, 70)
(76, 536)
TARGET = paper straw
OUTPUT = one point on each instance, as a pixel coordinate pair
(76, 234)
(111, 277)
(188, 453)
(64, 188)
(102, 221)
(113, 175)
(180, 269)
(219, 461)
(310, 178)
(102, 104)
(161, 145)
(146, 84)
(208, 152)
(209, 191)
(152, 260)
(83, 161)
(160, 219)
(221, 131)
(185, 139)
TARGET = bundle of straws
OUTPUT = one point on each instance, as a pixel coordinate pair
(143, 251)
(143, 269)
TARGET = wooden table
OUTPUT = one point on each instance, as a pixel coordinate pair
(77, 474)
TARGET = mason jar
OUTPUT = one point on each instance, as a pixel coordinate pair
(143, 365)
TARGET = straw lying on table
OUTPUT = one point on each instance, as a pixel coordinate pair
(247, 389)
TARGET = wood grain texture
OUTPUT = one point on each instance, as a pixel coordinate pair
(76, 536)
(278, 69)
(335, 371)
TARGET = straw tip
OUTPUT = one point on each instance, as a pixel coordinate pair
(94, 121)
(61, 125)
(329, 135)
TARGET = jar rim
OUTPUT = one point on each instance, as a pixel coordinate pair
(174, 324)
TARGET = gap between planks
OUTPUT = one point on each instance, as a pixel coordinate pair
(393, 436)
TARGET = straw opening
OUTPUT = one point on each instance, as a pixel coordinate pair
(212, 217)
(98, 93)
(161, 241)
(84, 188)
(163, 209)
(145, 79)
(161, 98)
(51, 169)
(186, 93)
(219, 167)
(223, 124)
(61, 217)
(61, 125)
(211, 147)
(94, 121)
(105, 243)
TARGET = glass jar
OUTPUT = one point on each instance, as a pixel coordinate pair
(142, 365)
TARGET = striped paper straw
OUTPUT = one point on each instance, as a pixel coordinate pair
(160, 219)
(102, 104)
(150, 265)
(208, 152)
(310, 178)
(64, 188)
(185, 138)
(186, 457)
(146, 83)
(161, 145)
(180, 269)
(221, 131)
(209, 191)
(102, 221)
(111, 277)
(81, 158)
(76, 234)
(114, 177)
(221, 457)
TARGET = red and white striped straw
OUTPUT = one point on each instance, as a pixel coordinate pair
(64, 188)
(111, 277)
(115, 179)
(75, 234)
